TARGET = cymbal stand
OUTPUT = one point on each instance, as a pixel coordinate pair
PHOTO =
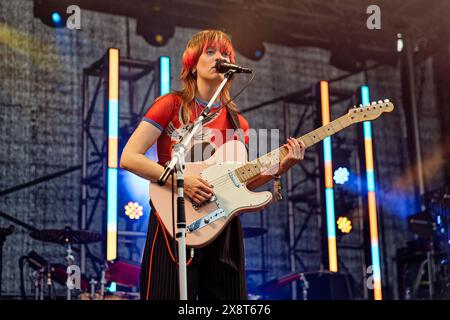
(41, 284)
(103, 281)
(70, 261)
(305, 286)
(93, 284)
(35, 278)
(49, 281)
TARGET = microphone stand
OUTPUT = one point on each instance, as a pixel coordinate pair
(177, 162)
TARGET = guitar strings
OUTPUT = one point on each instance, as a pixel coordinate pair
(221, 181)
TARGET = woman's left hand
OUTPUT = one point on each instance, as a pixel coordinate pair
(296, 152)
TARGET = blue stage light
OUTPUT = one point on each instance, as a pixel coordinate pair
(112, 287)
(259, 54)
(56, 18)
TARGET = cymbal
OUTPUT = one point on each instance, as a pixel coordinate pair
(250, 232)
(66, 235)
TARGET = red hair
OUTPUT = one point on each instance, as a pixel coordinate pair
(194, 49)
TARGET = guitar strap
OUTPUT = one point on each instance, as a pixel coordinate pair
(234, 120)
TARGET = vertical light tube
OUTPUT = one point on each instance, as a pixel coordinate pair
(113, 152)
(371, 199)
(329, 191)
(164, 75)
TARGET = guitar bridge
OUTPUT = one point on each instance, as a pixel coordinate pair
(200, 223)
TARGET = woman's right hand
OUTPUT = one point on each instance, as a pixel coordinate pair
(197, 189)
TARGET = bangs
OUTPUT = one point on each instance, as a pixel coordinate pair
(221, 41)
(203, 40)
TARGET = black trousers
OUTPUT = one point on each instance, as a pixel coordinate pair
(216, 272)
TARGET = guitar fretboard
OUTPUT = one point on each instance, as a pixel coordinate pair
(262, 164)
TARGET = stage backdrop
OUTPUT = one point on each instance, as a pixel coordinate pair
(40, 133)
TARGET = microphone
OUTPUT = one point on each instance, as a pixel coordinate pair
(223, 66)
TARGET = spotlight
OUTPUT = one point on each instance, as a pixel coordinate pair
(341, 175)
(133, 210)
(51, 14)
(247, 38)
(344, 224)
(253, 52)
(155, 31)
(249, 47)
(259, 54)
(56, 17)
(159, 38)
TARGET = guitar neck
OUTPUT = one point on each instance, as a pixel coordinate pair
(254, 168)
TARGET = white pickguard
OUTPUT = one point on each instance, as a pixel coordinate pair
(232, 197)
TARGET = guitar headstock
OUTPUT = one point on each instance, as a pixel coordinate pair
(369, 111)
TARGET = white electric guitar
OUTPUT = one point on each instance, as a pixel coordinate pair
(229, 171)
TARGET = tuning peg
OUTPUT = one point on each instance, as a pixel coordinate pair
(360, 105)
(354, 106)
(386, 100)
(374, 103)
(367, 105)
(379, 101)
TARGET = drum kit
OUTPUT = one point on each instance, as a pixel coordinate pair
(46, 274)
(123, 273)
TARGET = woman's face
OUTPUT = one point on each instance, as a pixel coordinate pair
(206, 64)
